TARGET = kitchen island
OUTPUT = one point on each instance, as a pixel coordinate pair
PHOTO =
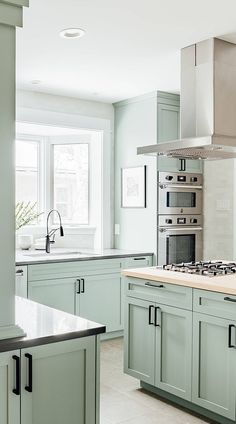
(52, 374)
(180, 338)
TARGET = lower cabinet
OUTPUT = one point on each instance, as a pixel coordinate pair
(57, 384)
(214, 364)
(158, 346)
(98, 298)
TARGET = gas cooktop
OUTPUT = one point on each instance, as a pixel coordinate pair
(206, 268)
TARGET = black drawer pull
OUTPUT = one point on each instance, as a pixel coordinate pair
(16, 390)
(230, 336)
(82, 280)
(77, 282)
(29, 386)
(229, 299)
(155, 319)
(150, 322)
(139, 259)
(154, 285)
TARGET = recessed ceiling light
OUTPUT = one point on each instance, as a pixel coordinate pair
(36, 82)
(72, 33)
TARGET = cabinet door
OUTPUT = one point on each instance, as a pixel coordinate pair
(139, 339)
(214, 365)
(173, 353)
(9, 400)
(21, 281)
(58, 293)
(62, 389)
(99, 300)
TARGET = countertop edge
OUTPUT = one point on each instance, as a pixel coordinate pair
(78, 259)
(21, 343)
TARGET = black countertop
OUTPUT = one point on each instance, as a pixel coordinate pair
(44, 325)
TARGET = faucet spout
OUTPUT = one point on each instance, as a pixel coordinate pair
(52, 232)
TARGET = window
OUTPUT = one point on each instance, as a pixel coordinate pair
(63, 173)
(71, 182)
(27, 171)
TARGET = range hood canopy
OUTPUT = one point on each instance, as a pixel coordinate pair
(207, 104)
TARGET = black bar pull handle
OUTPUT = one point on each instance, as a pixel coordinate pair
(139, 259)
(229, 299)
(16, 389)
(160, 286)
(230, 336)
(150, 322)
(77, 282)
(82, 281)
(29, 386)
(157, 308)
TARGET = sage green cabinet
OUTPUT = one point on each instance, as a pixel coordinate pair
(98, 298)
(57, 293)
(158, 345)
(139, 341)
(63, 383)
(9, 401)
(214, 364)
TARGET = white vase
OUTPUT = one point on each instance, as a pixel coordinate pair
(25, 241)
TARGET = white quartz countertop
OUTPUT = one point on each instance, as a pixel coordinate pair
(222, 284)
(44, 325)
(28, 257)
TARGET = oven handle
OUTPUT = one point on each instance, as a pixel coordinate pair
(192, 187)
(182, 229)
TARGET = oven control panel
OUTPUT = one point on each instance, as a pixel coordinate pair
(176, 220)
(180, 178)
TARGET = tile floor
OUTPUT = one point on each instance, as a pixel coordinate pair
(122, 401)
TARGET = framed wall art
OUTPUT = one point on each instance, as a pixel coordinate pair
(133, 187)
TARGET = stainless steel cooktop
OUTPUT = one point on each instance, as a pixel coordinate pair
(205, 268)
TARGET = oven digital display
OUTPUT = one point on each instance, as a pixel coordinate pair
(181, 220)
(181, 199)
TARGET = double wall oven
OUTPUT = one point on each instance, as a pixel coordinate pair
(179, 217)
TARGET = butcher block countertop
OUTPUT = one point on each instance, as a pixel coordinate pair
(221, 284)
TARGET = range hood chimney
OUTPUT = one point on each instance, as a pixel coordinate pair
(207, 104)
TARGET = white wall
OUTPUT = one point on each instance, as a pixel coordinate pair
(58, 111)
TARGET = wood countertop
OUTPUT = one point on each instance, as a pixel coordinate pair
(221, 284)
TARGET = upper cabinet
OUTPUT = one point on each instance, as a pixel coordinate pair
(168, 129)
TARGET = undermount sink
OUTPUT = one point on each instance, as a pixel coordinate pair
(55, 253)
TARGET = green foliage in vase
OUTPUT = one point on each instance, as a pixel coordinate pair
(25, 213)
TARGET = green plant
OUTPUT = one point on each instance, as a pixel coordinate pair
(25, 213)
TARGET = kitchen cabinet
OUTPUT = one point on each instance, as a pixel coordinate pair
(9, 401)
(158, 345)
(214, 364)
(56, 384)
(67, 371)
(168, 129)
(21, 281)
(98, 298)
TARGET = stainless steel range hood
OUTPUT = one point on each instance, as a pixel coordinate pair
(207, 103)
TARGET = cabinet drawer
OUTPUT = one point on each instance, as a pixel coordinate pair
(216, 304)
(73, 269)
(137, 262)
(167, 294)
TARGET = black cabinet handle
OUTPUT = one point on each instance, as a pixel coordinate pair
(229, 299)
(182, 164)
(78, 286)
(82, 290)
(230, 336)
(29, 387)
(155, 319)
(16, 390)
(150, 322)
(139, 259)
(154, 285)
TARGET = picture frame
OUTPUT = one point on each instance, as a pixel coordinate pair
(133, 187)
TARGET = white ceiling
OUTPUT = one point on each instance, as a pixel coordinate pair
(130, 47)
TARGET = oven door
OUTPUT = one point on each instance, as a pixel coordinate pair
(176, 245)
(177, 199)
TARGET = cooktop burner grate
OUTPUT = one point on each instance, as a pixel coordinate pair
(206, 268)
